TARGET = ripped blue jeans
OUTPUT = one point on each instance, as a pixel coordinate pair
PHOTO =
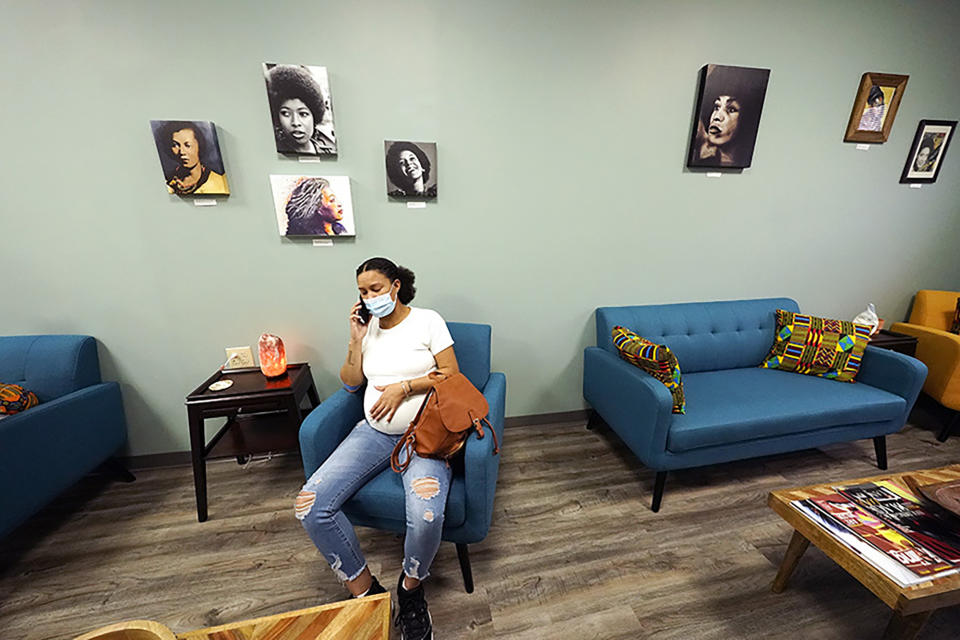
(363, 454)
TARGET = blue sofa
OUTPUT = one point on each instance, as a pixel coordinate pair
(735, 409)
(78, 425)
(380, 503)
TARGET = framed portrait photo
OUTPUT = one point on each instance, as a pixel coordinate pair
(411, 169)
(313, 206)
(927, 151)
(301, 109)
(875, 107)
(729, 102)
(190, 157)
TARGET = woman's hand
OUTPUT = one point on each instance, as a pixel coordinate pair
(386, 405)
(357, 329)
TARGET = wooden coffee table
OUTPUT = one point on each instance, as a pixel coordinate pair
(911, 605)
(356, 619)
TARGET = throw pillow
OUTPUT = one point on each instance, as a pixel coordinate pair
(817, 346)
(955, 327)
(14, 399)
(655, 359)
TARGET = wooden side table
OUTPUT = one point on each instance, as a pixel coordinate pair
(895, 342)
(911, 605)
(263, 414)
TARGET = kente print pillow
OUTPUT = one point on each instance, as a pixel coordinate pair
(817, 346)
(655, 359)
(14, 399)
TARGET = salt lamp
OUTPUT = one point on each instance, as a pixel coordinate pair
(273, 358)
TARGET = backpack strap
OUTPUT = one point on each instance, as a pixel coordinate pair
(405, 443)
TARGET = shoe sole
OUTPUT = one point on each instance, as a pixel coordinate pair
(429, 617)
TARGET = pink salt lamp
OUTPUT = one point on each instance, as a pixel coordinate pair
(273, 358)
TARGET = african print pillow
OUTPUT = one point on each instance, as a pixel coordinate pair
(817, 346)
(955, 327)
(655, 359)
(14, 399)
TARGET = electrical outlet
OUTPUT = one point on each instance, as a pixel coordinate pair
(239, 357)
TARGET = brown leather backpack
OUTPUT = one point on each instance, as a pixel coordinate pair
(444, 421)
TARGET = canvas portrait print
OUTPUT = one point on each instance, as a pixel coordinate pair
(874, 107)
(927, 151)
(411, 169)
(313, 205)
(190, 157)
(729, 103)
(301, 109)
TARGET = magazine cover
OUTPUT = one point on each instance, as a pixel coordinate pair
(887, 565)
(890, 503)
(880, 535)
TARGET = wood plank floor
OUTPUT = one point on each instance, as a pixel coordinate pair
(574, 551)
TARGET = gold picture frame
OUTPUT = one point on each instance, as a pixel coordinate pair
(875, 107)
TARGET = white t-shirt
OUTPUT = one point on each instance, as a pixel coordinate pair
(402, 352)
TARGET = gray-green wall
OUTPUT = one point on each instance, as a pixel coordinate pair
(562, 129)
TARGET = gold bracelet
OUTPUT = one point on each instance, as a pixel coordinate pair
(407, 388)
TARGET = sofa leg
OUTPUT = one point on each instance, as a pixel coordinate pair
(658, 483)
(950, 427)
(118, 470)
(880, 447)
(463, 554)
(593, 420)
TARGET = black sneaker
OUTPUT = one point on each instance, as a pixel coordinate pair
(412, 615)
(375, 588)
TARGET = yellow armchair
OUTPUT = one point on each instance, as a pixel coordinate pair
(930, 321)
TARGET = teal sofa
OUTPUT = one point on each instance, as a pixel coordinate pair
(78, 425)
(735, 409)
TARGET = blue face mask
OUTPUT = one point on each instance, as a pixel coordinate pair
(380, 306)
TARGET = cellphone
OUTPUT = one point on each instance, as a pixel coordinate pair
(364, 312)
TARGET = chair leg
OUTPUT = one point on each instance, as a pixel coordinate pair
(117, 469)
(658, 483)
(880, 448)
(949, 428)
(463, 554)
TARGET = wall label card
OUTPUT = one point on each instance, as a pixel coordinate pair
(308, 159)
(714, 174)
(203, 202)
(416, 205)
(863, 147)
(323, 242)
(916, 186)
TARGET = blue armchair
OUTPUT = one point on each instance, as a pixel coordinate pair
(78, 426)
(380, 503)
(735, 409)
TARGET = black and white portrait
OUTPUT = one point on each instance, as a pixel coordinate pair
(190, 157)
(926, 153)
(411, 169)
(301, 109)
(729, 103)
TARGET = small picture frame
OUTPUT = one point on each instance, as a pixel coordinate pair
(926, 153)
(875, 107)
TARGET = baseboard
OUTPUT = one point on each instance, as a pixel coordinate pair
(182, 458)
(152, 460)
(546, 418)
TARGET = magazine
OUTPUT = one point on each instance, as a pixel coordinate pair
(900, 509)
(882, 562)
(883, 537)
